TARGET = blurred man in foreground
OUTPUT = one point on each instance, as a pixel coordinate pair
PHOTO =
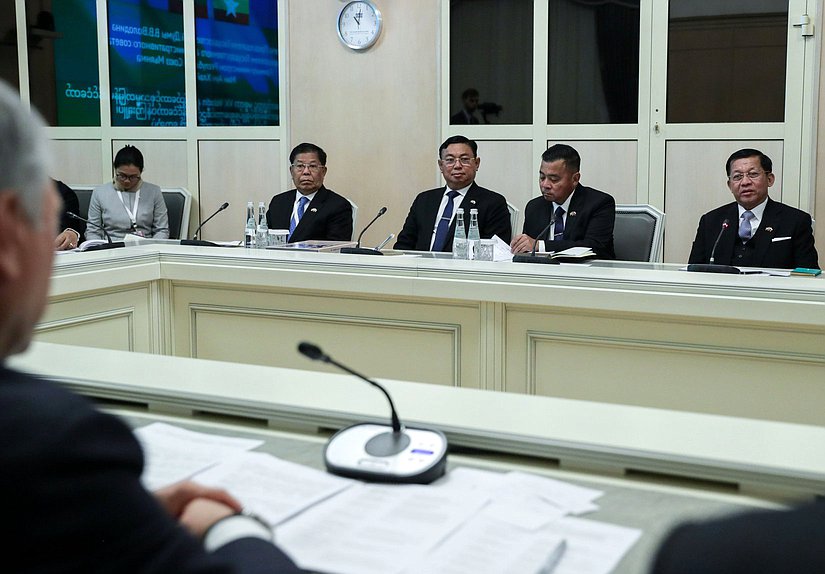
(71, 474)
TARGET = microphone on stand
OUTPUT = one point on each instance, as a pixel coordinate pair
(533, 258)
(358, 250)
(200, 242)
(712, 267)
(110, 245)
(379, 452)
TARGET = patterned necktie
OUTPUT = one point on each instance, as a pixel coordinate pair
(558, 230)
(444, 222)
(293, 223)
(745, 231)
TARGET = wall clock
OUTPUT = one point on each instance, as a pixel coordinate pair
(359, 24)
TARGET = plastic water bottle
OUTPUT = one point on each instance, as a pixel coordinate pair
(249, 233)
(460, 237)
(262, 232)
(473, 238)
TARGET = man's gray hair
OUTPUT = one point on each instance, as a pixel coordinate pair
(25, 161)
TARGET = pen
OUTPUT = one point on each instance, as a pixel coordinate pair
(387, 240)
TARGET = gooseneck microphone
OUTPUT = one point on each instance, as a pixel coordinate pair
(110, 245)
(379, 452)
(532, 258)
(221, 208)
(725, 225)
(711, 266)
(200, 242)
(358, 250)
(315, 353)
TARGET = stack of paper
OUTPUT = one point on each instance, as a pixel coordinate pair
(469, 521)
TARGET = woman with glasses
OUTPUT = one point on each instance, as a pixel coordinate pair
(127, 204)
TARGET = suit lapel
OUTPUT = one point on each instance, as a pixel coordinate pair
(311, 212)
(764, 235)
(576, 205)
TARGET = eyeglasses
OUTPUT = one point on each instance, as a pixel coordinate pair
(124, 177)
(312, 167)
(464, 160)
(751, 175)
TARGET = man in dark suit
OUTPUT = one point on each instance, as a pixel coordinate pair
(71, 474)
(584, 217)
(458, 162)
(310, 211)
(469, 104)
(72, 229)
(763, 232)
(759, 542)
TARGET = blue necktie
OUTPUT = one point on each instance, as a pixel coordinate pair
(745, 231)
(444, 223)
(293, 223)
(558, 230)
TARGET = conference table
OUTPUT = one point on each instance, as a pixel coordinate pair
(642, 377)
(622, 333)
(656, 468)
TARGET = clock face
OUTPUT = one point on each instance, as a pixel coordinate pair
(359, 25)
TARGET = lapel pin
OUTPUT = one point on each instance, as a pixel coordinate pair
(572, 214)
(314, 209)
(769, 229)
(472, 202)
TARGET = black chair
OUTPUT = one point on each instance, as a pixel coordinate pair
(84, 196)
(178, 203)
(638, 232)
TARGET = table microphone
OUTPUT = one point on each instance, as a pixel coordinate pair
(378, 452)
(712, 267)
(110, 245)
(200, 242)
(533, 258)
(358, 250)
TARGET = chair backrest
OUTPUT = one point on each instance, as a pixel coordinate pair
(638, 233)
(178, 205)
(354, 219)
(84, 196)
(513, 218)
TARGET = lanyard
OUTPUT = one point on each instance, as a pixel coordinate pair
(132, 214)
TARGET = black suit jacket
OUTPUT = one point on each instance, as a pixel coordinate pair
(493, 218)
(590, 221)
(328, 217)
(70, 203)
(73, 498)
(778, 220)
(758, 542)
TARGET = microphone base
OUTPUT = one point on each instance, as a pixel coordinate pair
(360, 251)
(713, 268)
(544, 259)
(373, 452)
(198, 243)
(103, 246)
(387, 443)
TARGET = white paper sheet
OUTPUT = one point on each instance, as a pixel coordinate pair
(592, 547)
(270, 487)
(174, 454)
(374, 529)
(486, 545)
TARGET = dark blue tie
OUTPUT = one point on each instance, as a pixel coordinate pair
(293, 223)
(444, 223)
(558, 230)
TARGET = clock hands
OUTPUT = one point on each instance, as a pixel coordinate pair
(357, 17)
